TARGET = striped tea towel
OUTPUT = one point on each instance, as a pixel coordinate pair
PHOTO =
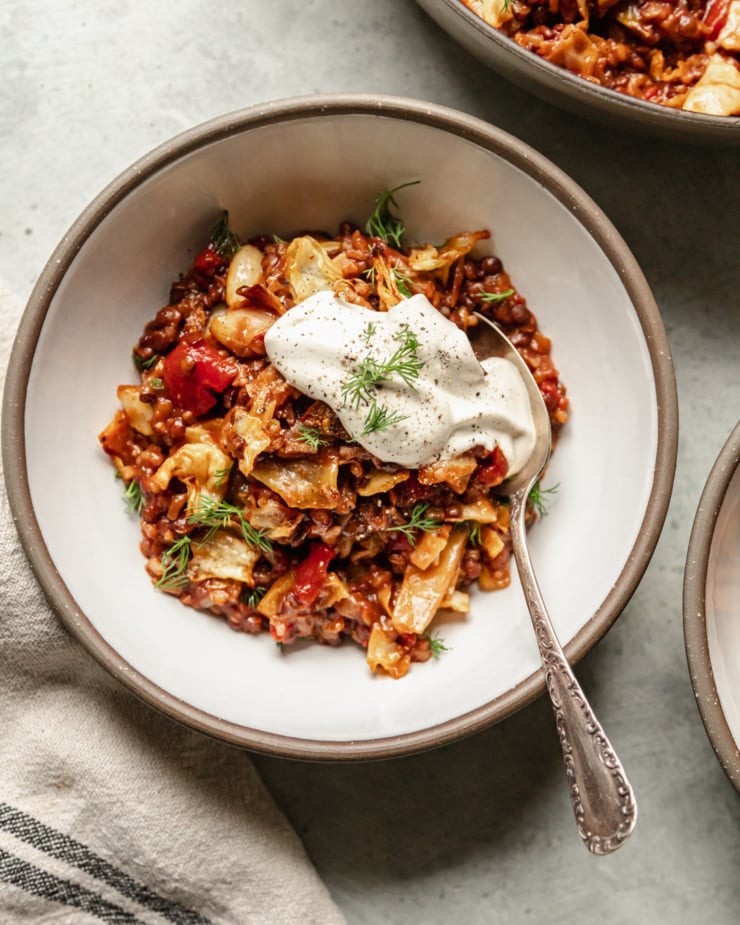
(110, 812)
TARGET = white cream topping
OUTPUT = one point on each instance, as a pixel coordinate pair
(452, 404)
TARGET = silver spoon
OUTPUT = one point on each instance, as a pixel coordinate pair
(601, 796)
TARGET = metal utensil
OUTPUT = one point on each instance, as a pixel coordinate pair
(601, 796)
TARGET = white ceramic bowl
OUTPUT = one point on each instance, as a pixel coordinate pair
(313, 163)
(571, 92)
(712, 607)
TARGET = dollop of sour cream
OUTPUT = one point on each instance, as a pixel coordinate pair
(452, 404)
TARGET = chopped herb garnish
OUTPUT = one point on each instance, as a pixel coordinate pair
(417, 521)
(223, 239)
(253, 596)
(403, 282)
(134, 497)
(361, 387)
(220, 476)
(218, 515)
(436, 645)
(141, 364)
(495, 296)
(175, 564)
(383, 223)
(404, 363)
(540, 497)
(155, 383)
(380, 418)
(474, 534)
(311, 436)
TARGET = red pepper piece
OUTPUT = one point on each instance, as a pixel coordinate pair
(310, 575)
(715, 16)
(493, 472)
(208, 261)
(196, 374)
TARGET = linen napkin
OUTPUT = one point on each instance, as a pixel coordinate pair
(110, 812)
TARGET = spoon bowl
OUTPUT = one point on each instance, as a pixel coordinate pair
(601, 795)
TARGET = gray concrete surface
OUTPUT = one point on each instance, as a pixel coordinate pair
(481, 831)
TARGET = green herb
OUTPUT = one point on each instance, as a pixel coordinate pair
(368, 332)
(417, 521)
(540, 497)
(404, 363)
(505, 6)
(223, 239)
(436, 645)
(174, 564)
(218, 515)
(370, 274)
(383, 223)
(134, 497)
(155, 383)
(495, 296)
(253, 596)
(311, 436)
(474, 534)
(380, 418)
(220, 476)
(142, 364)
(403, 282)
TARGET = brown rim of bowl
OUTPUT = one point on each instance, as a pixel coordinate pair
(691, 125)
(694, 608)
(444, 119)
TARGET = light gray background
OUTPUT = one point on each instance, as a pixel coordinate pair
(480, 831)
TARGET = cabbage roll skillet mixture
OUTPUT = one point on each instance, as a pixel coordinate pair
(313, 449)
(683, 53)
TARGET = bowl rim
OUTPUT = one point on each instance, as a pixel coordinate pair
(694, 608)
(469, 128)
(549, 75)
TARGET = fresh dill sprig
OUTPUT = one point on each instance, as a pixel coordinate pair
(134, 497)
(155, 383)
(474, 534)
(417, 521)
(368, 332)
(220, 476)
(369, 372)
(142, 364)
(540, 497)
(403, 282)
(223, 239)
(436, 645)
(252, 596)
(495, 296)
(311, 436)
(380, 418)
(218, 515)
(175, 564)
(383, 223)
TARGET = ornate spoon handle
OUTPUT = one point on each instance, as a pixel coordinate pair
(602, 797)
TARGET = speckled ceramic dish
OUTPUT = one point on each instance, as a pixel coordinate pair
(312, 163)
(569, 91)
(712, 607)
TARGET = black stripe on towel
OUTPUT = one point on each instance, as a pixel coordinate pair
(40, 882)
(65, 848)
